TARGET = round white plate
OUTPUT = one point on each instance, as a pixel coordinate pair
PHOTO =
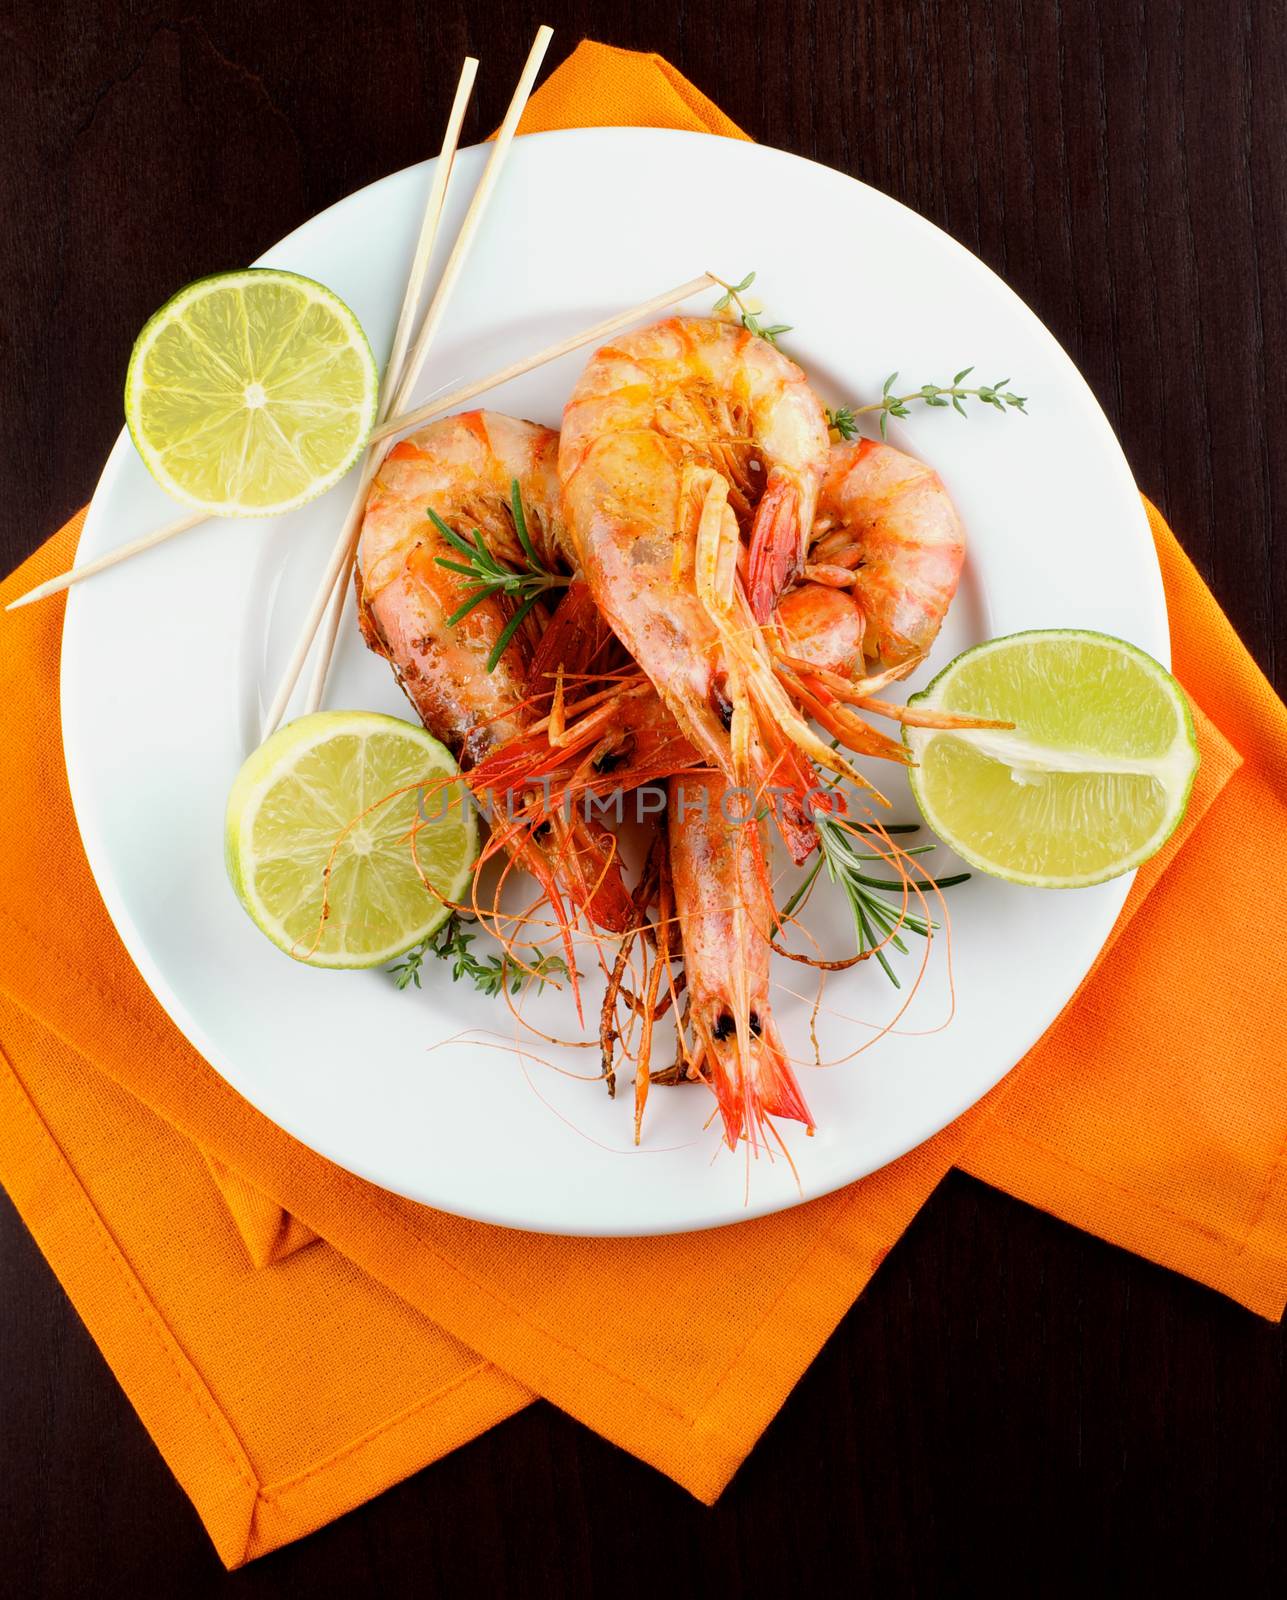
(168, 661)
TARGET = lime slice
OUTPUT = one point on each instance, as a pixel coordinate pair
(289, 817)
(1092, 780)
(251, 392)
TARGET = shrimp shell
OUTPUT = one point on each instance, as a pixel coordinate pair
(463, 468)
(889, 538)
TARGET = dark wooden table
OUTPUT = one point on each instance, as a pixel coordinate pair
(1011, 1403)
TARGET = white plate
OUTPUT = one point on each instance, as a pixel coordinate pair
(167, 661)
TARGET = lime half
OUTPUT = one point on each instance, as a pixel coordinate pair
(251, 392)
(1091, 781)
(343, 790)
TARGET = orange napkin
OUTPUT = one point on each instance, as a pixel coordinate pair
(285, 1384)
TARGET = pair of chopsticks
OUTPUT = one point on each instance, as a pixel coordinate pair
(404, 368)
(405, 365)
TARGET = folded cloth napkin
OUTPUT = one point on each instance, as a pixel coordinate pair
(296, 1339)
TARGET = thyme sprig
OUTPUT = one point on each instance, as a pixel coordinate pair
(526, 584)
(732, 295)
(875, 919)
(491, 976)
(844, 418)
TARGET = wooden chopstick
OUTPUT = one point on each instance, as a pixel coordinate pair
(391, 386)
(394, 372)
(136, 547)
(342, 554)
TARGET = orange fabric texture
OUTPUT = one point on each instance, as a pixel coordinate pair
(286, 1384)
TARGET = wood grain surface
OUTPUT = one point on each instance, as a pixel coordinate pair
(1011, 1403)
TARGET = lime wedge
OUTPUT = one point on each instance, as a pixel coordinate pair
(251, 392)
(1092, 780)
(289, 817)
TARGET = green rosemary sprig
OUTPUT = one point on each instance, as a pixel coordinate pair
(526, 584)
(875, 919)
(844, 418)
(491, 976)
(732, 295)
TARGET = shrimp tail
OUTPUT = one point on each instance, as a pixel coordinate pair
(776, 545)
